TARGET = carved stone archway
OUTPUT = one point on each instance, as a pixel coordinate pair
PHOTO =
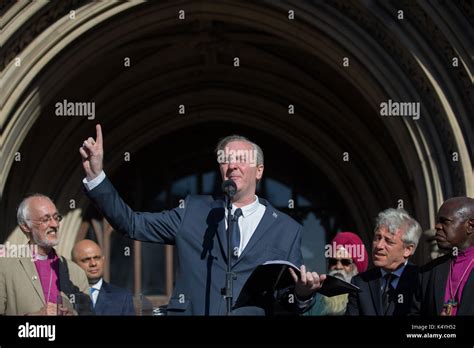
(283, 61)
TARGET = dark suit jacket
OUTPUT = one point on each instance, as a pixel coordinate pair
(432, 280)
(113, 300)
(369, 300)
(198, 231)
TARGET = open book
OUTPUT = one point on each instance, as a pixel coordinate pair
(275, 275)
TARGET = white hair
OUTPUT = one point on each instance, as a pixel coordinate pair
(23, 211)
(343, 274)
(399, 219)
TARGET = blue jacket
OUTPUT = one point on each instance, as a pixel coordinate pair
(198, 231)
(113, 300)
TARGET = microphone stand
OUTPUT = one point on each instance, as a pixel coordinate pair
(229, 276)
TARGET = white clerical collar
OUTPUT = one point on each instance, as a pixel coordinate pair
(248, 209)
(41, 257)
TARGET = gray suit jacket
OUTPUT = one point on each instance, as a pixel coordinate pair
(20, 287)
(198, 231)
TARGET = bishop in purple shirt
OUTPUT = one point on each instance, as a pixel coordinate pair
(447, 283)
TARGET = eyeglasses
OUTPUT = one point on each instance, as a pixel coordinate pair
(345, 262)
(47, 219)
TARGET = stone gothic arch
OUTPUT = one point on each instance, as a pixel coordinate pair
(284, 62)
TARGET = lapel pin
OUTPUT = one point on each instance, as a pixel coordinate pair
(34, 277)
(275, 215)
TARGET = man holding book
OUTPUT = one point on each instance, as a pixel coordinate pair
(198, 229)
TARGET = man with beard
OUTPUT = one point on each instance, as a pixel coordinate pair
(388, 289)
(446, 284)
(34, 284)
(347, 257)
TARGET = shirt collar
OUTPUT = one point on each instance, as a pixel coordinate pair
(98, 285)
(51, 255)
(465, 254)
(398, 272)
(41, 257)
(248, 209)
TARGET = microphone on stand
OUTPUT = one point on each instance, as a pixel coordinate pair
(229, 188)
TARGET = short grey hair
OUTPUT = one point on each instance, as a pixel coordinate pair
(395, 219)
(224, 141)
(23, 211)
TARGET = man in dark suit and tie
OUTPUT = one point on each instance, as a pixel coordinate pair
(446, 284)
(198, 229)
(107, 299)
(388, 289)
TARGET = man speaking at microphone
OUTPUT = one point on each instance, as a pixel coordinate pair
(198, 229)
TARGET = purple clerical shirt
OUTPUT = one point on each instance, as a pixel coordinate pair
(461, 264)
(48, 271)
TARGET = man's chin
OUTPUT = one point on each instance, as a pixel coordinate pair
(340, 276)
(94, 279)
(379, 264)
(445, 246)
(48, 244)
(52, 243)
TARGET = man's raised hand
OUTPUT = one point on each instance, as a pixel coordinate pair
(92, 153)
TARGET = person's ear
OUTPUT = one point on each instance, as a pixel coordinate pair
(259, 171)
(470, 226)
(408, 250)
(25, 228)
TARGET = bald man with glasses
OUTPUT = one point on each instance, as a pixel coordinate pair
(38, 281)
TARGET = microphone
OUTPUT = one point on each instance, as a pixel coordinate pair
(230, 188)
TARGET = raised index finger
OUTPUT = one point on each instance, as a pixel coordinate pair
(98, 131)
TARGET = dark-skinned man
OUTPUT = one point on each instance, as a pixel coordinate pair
(447, 283)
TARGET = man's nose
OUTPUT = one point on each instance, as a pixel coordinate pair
(339, 265)
(53, 223)
(379, 244)
(438, 226)
(232, 164)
